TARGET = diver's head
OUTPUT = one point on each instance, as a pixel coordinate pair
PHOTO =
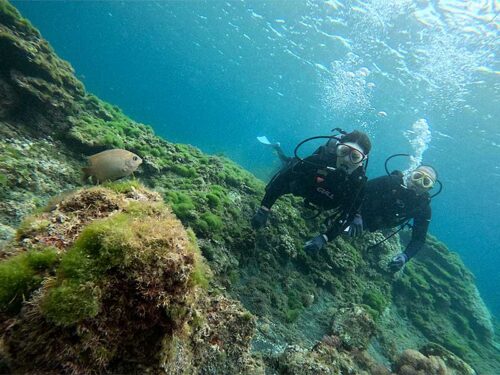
(421, 179)
(352, 150)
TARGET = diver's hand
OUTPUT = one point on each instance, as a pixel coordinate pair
(398, 262)
(356, 226)
(315, 244)
(260, 218)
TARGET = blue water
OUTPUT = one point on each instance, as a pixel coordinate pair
(217, 74)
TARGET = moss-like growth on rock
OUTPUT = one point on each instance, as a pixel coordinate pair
(21, 274)
(131, 279)
(48, 121)
(201, 273)
(438, 296)
(123, 186)
(184, 171)
(31, 226)
(10, 15)
(376, 301)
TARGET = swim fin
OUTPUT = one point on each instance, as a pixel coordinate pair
(263, 139)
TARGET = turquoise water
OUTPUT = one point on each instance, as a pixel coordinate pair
(421, 77)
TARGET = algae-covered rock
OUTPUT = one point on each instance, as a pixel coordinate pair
(325, 358)
(453, 363)
(124, 279)
(6, 233)
(354, 326)
(73, 302)
(437, 296)
(412, 362)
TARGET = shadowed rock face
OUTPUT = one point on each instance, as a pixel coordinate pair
(48, 123)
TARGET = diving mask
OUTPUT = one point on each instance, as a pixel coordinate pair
(421, 179)
(355, 155)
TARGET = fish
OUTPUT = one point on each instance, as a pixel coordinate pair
(111, 165)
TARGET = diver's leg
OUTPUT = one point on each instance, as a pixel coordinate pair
(281, 154)
(279, 185)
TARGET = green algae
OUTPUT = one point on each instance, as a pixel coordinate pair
(10, 15)
(105, 245)
(71, 302)
(123, 187)
(211, 222)
(182, 204)
(21, 274)
(184, 171)
(100, 247)
(269, 270)
(376, 301)
(30, 226)
(201, 273)
(3, 180)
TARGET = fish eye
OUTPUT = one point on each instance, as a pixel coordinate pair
(135, 158)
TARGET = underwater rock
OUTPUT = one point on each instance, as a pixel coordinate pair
(438, 296)
(126, 284)
(433, 362)
(354, 326)
(454, 364)
(324, 359)
(48, 123)
(6, 233)
(219, 345)
(8, 99)
(412, 362)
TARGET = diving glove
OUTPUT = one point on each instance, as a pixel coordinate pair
(315, 244)
(356, 226)
(260, 218)
(398, 262)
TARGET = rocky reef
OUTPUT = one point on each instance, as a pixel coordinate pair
(163, 274)
(109, 280)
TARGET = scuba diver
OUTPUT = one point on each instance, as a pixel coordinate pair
(332, 178)
(394, 200)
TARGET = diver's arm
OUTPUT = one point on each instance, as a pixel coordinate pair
(334, 230)
(419, 232)
(349, 208)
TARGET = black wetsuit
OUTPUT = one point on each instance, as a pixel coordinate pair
(388, 203)
(328, 189)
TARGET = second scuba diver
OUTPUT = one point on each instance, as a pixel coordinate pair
(332, 178)
(394, 200)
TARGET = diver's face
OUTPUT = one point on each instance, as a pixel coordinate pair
(419, 181)
(349, 156)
